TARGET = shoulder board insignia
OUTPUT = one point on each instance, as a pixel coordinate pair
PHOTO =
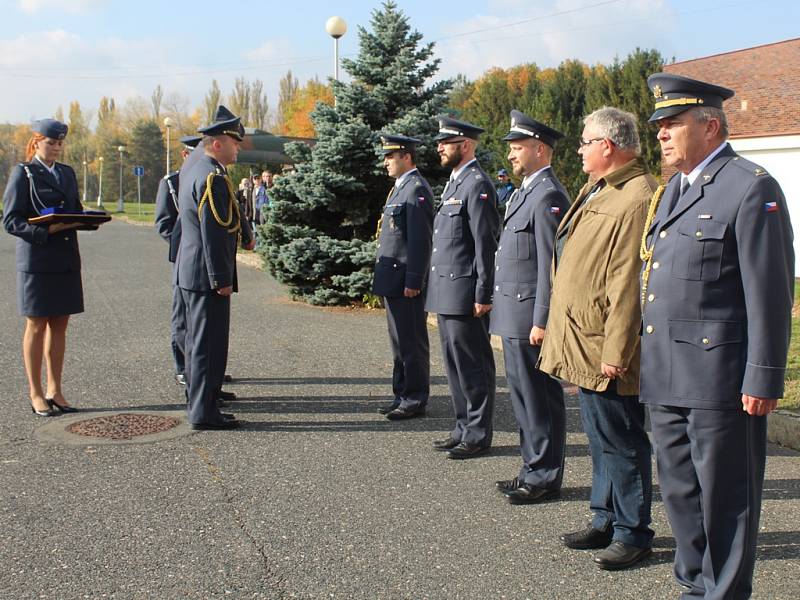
(478, 176)
(758, 171)
(706, 177)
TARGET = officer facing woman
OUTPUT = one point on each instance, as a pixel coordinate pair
(49, 287)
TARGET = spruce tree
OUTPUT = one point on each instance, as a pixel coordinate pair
(319, 236)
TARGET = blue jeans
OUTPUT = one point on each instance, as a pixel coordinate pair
(622, 486)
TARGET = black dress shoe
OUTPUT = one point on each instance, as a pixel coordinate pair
(227, 378)
(445, 444)
(506, 485)
(64, 409)
(466, 450)
(225, 424)
(398, 414)
(180, 378)
(620, 556)
(587, 539)
(387, 408)
(226, 396)
(530, 494)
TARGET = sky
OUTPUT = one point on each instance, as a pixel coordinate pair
(55, 51)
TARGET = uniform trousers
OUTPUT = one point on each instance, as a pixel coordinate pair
(469, 364)
(207, 329)
(178, 329)
(538, 403)
(408, 335)
(622, 472)
(711, 472)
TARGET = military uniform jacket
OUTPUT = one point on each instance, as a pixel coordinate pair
(464, 244)
(207, 252)
(522, 264)
(37, 250)
(404, 242)
(717, 311)
(167, 223)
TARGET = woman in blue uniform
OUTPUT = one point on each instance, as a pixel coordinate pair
(49, 286)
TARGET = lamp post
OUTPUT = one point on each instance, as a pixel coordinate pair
(168, 125)
(100, 184)
(336, 28)
(84, 179)
(121, 201)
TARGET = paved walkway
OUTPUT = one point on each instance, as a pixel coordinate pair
(318, 497)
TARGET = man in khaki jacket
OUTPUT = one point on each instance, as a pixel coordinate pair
(592, 337)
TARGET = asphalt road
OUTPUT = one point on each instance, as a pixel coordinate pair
(318, 496)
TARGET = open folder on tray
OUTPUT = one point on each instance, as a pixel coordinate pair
(87, 219)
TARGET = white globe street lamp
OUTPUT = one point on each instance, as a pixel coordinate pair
(168, 125)
(100, 183)
(121, 201)
(336, 28)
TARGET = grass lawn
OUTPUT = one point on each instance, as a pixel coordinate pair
(146, 213)
(791, 400)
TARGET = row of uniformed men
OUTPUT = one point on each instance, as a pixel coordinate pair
(717, 254)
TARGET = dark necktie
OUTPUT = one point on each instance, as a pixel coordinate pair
(55, 174)
(679, 195)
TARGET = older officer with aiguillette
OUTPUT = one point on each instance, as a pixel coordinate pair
(401, 268)
(717, 290)
(461, 286)
(521, 307)
(210, 229)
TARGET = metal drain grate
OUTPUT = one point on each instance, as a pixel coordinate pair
(123, 426)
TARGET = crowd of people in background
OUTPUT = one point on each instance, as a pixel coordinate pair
(253, 197)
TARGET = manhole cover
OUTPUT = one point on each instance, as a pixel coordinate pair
(114, 427)
(124, 426)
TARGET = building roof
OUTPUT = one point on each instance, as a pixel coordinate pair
(767, 84)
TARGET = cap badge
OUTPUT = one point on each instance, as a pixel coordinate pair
(657, 91)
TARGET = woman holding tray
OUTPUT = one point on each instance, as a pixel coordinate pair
(49, 287)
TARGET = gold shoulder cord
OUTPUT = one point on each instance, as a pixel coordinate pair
(233, 206)
(645, 253)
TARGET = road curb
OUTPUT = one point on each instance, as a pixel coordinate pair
(783, 428)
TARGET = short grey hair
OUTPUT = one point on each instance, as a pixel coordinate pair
(618, 126)
(703, 114)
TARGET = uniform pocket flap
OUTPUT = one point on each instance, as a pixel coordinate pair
(706, 334)
(453, 210)
(387, 262)
(520, 227)
(525, 291)
(458, 271)
(703, 229)
(395, 209)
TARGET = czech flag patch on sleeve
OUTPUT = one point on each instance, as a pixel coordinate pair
(771, 206)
